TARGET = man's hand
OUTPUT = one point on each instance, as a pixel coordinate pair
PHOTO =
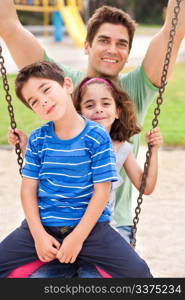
(70, 248)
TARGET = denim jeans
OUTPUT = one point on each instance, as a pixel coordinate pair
(54, 269)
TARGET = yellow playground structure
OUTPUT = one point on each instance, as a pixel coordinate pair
(67, 10)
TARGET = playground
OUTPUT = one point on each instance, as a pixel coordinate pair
(63, 13)
(160, 236)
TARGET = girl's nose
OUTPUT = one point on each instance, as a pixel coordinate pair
(99, 108)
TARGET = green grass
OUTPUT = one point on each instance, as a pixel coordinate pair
(172, 116)
(171, 120)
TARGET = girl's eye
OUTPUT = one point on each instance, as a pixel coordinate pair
(89, 106)
(106, 103)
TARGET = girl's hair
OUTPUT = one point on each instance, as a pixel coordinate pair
(126, 126)
(42, 69)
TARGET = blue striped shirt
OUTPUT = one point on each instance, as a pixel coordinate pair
(67, 171)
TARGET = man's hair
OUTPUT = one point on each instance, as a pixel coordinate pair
(43, 69)
(113, 15)
(126, 125)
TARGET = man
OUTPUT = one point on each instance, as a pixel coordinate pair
(109, 40)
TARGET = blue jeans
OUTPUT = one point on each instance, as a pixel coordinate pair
(55, 270)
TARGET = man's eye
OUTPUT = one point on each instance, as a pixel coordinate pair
(103, 41)
(123, 45)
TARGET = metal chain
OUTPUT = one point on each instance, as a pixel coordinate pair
(10, 107)
(155, 121)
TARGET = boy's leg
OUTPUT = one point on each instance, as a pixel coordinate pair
(108, 250)
(16, 249)
(55, 269)
(18, 258)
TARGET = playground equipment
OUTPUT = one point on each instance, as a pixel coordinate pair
(63, 13)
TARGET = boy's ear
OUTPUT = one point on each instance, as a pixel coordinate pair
(68, 84)
(86, 48)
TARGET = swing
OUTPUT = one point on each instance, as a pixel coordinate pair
(155, 121)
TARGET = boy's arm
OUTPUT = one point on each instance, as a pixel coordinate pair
(154, 58)
(23, 46)
(46, 246)
(73, 243)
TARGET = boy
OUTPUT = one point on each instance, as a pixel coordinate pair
(68, 170)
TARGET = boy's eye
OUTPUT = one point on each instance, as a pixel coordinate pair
(34, 102)
(47, 89)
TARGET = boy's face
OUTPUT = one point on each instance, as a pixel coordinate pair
(109, 50)
(47, 98)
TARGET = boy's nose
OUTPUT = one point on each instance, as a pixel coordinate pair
(44, 102)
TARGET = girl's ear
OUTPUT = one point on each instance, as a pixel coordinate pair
(68, 84)
(117, 113)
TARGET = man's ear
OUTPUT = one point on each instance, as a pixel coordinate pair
(86, 48)
(68, 84)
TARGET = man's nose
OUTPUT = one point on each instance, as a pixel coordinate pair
(112, 48)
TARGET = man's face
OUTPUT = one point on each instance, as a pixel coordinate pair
(109, 50)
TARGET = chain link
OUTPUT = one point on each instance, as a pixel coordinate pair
(10, 107)
(155, 121)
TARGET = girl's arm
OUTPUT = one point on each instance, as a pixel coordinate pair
(133, 169)
(46, 245)
(73, 243)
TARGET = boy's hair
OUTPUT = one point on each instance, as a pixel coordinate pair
(126, 125)
(43, 69)
(113, 15)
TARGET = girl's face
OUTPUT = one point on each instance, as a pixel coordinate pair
(98, 105)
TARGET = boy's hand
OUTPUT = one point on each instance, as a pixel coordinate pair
(20, 138)
(47, 247)
(154, 138)
(70, 248)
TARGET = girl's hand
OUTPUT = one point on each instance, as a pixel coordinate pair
(20, 138)
(154, 138)
(46, 247)
(70, 248)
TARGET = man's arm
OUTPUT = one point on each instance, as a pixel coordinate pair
(154, 58)
(23, 46)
